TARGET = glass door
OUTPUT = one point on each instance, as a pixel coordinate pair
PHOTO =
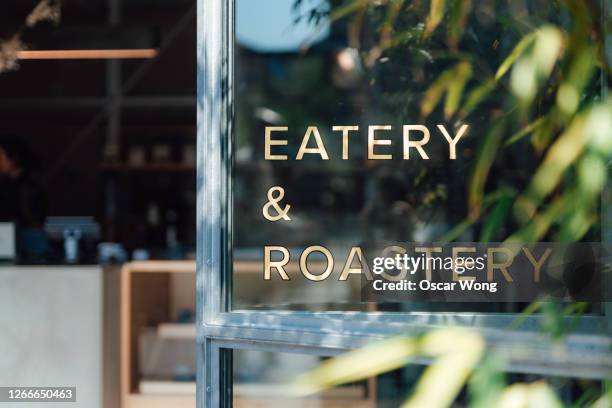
(369, 168)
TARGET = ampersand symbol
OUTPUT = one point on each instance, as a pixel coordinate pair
(273, 202)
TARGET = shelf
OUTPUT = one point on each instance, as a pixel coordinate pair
(188, 401)
(161, 266)
(160, 401)
(146, 291)
(185, 331)
(273, 391)
(244, 391)
(167, 388)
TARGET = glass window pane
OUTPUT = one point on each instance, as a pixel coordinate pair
(388, 122)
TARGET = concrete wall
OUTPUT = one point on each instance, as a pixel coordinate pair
(51, 330)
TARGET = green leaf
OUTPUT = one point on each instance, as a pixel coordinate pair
(552, 319)
(475, 97)
(588, 397)
(452, 82)
(577, 223)
(578, 76)
(464, 225)
(462, 73)
(436, 13)
(540, 223)
(496, 218)
(537, 394)
(457, 230)
(530, 70)
(393, 9)
(485, 157)
(458, 14)
(575, 310)
(347, 8)
(527, 130)
(548, 45)
(356, 365)
(516, 53)
(457, 351)
(592, 174)
(531, 309)
(563, 153)
(436, 90)
(605, 401)
(486, 385)
(599, 128)
(524, 80)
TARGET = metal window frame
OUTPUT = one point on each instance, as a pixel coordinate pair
(220, 329)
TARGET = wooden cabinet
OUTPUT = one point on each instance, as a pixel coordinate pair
(151, 294)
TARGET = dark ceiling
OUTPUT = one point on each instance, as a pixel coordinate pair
(169, 24)
(65, 109)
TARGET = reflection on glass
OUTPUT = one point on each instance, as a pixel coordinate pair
(352, 71)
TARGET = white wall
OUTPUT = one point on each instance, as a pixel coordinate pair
(51, 330)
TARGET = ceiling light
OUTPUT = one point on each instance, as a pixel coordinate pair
(87, 54)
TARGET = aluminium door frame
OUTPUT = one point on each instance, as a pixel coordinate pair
(219, 329)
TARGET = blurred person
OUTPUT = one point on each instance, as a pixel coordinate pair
(23, 199)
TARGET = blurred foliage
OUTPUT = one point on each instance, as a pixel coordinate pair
(552, 316)
(549, 93)
(454, 353)
(459, 359)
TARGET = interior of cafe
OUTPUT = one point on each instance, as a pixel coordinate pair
(97, 168)
(98, 203)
